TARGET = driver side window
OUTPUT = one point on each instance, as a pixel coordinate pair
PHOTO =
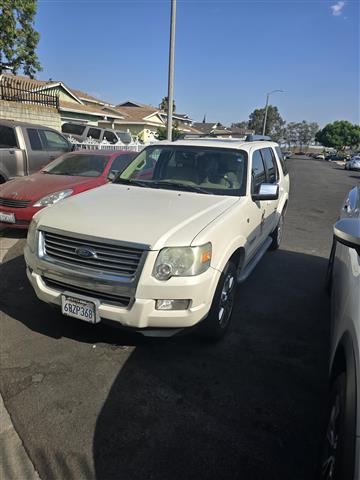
(258, 173)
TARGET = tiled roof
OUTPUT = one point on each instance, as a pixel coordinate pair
(136, 114)
(77, 107)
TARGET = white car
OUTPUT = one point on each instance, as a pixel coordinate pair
(161, 249)
(353, 163)
(341, 452)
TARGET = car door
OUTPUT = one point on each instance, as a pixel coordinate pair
(258, 176)
(55, 144)
(272, 176)
(37, 154)
(12, 158)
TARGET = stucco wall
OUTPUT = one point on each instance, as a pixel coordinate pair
(20, 112)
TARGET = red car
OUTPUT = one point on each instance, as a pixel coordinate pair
(68, 175)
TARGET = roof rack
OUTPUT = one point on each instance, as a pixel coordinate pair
(257, 138)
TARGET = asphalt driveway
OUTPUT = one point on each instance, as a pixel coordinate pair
(90, 402)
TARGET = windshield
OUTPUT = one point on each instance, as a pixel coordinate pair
(88, 165)
(219, 171)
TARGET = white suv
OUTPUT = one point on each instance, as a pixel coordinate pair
(161, 249)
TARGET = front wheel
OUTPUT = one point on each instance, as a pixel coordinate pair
(217, 322)
(337, 456)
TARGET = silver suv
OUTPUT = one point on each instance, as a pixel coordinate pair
(82, 132)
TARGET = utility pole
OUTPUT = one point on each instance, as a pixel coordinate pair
(171, 71)
(267, 106)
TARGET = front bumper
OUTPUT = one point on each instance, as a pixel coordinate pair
(23, 216)
(141, 312)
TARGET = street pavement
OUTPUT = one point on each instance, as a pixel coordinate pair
(91, 402)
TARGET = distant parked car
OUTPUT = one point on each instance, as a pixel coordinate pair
(319, 156)
(68, 175)
(82, 132)
(26, 147)
(340, 459)
(353, 163)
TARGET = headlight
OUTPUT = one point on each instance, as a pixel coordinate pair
(31, 236)
(182, 261)
(53, 198)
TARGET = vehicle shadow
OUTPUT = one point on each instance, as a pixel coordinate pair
(248, 407)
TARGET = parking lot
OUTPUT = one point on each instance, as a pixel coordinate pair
(90, 402)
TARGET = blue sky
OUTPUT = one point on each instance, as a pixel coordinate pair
(228, 54)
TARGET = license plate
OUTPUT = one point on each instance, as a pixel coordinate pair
(80, 307)
(7, 217)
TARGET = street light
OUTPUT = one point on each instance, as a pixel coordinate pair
(171, 71)
(267, 106)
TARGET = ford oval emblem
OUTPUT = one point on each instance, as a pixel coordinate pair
(85, 252)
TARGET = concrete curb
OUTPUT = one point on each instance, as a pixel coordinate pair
(15, 463)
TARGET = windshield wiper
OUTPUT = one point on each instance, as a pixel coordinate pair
(136, 183)
(180, 186)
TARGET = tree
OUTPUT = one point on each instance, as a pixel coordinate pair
(18, 38)
(164, 104)
(274, 123)
(306, 132)
(300, 133)
(339, 135)
(161, 133)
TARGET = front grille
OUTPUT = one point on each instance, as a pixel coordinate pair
(109, 258)
(108, 298)
(12, 202)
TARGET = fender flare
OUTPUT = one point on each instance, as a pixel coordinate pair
(236, 245)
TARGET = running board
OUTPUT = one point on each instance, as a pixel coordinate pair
(244, 274)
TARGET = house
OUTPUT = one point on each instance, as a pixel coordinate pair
(143, 120)
(77, 106)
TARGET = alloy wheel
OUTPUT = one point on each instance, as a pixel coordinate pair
(226, 300)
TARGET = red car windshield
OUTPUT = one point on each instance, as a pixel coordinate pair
(78, 165)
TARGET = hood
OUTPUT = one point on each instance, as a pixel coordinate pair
(152, 217)
(38, 185)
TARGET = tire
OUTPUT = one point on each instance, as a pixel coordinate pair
(277, 234)
(218, 320)
(330, 268)
(2, 180)
(338, 449)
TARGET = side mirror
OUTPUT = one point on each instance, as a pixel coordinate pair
(267, 191)
(347, 232)
(112, 175)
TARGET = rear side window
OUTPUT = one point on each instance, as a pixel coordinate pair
(94, 133)
(257, 172)
(282, 160)
(73, 128)
(270, 164)
(53, 141)
(34, 138)
(110, 136)
(7, 137)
